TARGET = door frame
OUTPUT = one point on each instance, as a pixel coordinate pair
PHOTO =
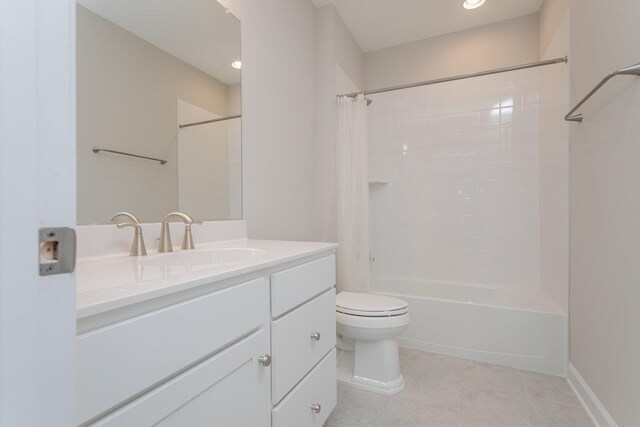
(37, 189)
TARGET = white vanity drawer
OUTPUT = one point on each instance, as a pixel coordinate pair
(317, 388)
(294, 350)
(292, 287)
(119, 361)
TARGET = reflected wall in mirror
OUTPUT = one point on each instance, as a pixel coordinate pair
(145, 67)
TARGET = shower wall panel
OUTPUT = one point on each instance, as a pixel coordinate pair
(457, 172)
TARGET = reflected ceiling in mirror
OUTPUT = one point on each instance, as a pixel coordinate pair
(144, 68)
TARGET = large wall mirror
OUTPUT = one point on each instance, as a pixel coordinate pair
(158, 110)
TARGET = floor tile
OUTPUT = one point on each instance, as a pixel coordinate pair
(443, 391)
(552, 414)
(549, 387)
(356, 408)
(405, 413)
(495, 381)
(484, 409)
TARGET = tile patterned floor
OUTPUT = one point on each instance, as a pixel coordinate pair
(443, 391)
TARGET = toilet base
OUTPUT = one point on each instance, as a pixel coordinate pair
(346, 376)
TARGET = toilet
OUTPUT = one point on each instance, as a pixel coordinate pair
(368, 326)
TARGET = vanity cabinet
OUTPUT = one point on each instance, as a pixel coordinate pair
(250, 353)
(300, 340)
(303, 340)
(230, 389)
(121, 360)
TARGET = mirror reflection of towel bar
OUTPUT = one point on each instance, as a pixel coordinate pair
(97, 150)
(221, 119)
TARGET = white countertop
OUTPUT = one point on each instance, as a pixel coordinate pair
(110, 282)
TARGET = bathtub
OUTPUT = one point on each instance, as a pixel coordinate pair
(520, 328)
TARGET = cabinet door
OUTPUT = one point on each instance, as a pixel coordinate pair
(115, 363)
(229, 389)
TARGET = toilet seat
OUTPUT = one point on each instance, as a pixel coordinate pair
(372, 322)
(370, 305)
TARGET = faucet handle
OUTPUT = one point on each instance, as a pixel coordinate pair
(187, 240)
(180, 215)
(137, 248)
(165, 232)
(129, 215)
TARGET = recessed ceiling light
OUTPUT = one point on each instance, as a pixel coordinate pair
(472, 4)
(237, 65)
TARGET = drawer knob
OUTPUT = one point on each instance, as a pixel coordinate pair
(316, 408)
(315, 336)
(265, 360)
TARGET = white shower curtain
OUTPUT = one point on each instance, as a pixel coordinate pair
(352, 195)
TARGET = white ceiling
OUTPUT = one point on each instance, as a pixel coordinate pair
(376, 24)
(199, 32)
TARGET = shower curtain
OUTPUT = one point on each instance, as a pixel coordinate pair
(352, 195)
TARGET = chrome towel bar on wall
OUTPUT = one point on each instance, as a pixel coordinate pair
(97, 150)
(633, 70)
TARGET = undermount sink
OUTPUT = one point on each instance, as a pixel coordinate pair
(220, 257)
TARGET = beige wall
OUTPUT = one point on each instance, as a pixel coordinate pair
(348, 54)
(551, 15)
(497, 45)
(127, 92)
(234, 99)
(605, 211)
(234, 104)
(278, 118)
(554, 169)
(203, 164)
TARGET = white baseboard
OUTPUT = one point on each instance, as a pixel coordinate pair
(590, 401)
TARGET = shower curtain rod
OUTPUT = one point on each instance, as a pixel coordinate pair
(461, 77)
(221, 119)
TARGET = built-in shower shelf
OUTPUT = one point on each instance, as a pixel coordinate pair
(378, 182)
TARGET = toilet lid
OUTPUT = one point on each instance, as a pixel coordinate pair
(370, 305)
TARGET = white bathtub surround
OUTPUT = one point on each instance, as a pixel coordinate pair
(462, 202)
(368, 327)
(445, 391)
(521, 328)
(352, 194)
(458, 230)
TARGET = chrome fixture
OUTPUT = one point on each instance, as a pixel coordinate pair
(633, 70)
(461, 77)
(165, 233)
(204, 122)
(97, 150)
(137, 248)
(265, 360)
(315, 336)
(316, 407)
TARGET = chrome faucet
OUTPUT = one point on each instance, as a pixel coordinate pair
(137, 248)
(165, 233)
